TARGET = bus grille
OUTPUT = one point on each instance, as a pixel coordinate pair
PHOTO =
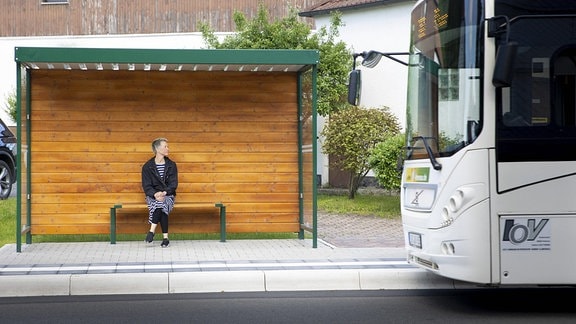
(424, 262)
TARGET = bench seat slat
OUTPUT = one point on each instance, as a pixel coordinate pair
(176, 205)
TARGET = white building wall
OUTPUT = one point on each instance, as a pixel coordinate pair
(383, 28)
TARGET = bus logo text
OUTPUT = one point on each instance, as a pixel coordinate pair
(520, 233)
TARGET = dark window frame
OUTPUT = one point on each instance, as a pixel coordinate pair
(54, 2)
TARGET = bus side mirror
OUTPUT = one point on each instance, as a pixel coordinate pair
(504, 67)
(354, 84)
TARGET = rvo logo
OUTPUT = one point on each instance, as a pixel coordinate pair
(520, 233)
(416, 196)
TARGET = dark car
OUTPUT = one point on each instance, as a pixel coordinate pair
(7, 160)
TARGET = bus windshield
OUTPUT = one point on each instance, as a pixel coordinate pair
(444, 77)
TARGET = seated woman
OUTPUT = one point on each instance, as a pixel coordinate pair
(159, 182)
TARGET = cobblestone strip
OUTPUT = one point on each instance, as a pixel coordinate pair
(359, 231)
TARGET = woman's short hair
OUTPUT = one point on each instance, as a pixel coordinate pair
(156, 143)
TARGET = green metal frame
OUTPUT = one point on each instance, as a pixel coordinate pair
(164, 56)
(18, 164)
(314, 156)
(26, 229)
(301, 170)
(27, 57)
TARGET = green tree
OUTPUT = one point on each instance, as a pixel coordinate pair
(384, 161)
(350, 137)
(10, 104)
(292, 33)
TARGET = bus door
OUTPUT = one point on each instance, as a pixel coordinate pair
(535, 200)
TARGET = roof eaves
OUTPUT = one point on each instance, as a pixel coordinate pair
(164, 59)
(344, 5)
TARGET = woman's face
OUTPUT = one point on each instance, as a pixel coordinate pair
(163, 149)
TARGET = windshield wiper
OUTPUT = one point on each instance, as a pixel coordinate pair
(435, 164)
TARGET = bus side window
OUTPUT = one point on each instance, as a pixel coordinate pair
(514, 120)
(511, 117)
(565, 88)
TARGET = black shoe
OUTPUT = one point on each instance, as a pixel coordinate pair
(165, 243)
(149, 237)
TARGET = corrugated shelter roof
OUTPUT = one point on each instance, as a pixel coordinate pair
(329, 6)
(165, 59)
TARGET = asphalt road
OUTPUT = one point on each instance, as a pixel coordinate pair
(384, 306)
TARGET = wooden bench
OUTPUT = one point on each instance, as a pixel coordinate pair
(179, 206)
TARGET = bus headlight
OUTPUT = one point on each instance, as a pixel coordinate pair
(456, 200)
(446, 217)
(462, 196)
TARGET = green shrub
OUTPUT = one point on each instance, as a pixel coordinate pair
(384, 162)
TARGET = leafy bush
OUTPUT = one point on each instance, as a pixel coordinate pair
(384, 161)
(10, 105)
(350, 136)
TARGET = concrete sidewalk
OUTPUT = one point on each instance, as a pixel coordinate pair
(95, 268)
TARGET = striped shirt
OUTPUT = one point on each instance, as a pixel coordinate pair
(160, 168)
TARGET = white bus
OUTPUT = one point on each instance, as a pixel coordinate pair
(489, 181)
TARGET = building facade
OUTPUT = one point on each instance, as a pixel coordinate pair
(20, 18)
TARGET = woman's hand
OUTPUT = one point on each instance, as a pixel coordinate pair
(160, 196)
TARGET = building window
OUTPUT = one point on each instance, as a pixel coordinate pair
(55, 1)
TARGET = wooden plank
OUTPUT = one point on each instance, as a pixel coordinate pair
(214, 228)
(254, 197)
(182, 205)
(236, 208)
(181, 146)
(135, 178)
(263, 228)
(71, 229)
(202, 80)
(153, 96)
(199, 112)
(122, 187)
(89, 210)
(173, 135)
(141, 227)
(210, 109)
(81, 209)
(78, 220)
(186, 229)
(208, 79)
(190, 157)
(204, 127)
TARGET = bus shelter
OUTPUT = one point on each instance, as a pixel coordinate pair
(241, 126)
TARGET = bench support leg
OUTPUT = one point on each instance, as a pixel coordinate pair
(113, 225)
(222, 222)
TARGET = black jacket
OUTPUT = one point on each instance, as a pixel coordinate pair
(152, 182)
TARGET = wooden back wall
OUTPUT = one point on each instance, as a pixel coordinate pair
(234, 136)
